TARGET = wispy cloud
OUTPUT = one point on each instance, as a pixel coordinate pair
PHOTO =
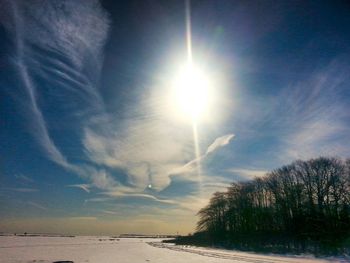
(316, 120)
(146, 150)
(59, 42)
(36, 205)
(148, 155)
(98, 199)
(219, 142)
(191, 166)
(139, 195)
(109, 212)
(84, 187)
(82, 218)
(247, 173)
(23, 178)
(20, 189)
(307, 116)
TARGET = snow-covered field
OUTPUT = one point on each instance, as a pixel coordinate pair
(15, 249)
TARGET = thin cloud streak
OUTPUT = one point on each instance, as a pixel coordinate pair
(36, 205)
(190, 166)
(56, 45)
(139, 195)
(318, 118)
(84, 187)
(219, 142)
(306, 117)
(20, 189)
(23, 178)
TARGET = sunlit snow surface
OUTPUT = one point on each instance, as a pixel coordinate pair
(106, 249)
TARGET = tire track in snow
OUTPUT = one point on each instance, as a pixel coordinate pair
(229, 256)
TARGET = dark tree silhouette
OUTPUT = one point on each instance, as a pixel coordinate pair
(304, 206)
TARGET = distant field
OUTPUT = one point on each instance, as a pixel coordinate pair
(21, 249)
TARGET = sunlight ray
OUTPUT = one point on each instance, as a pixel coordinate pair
(190, 65)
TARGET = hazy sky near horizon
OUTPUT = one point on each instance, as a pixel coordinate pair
(90, 142)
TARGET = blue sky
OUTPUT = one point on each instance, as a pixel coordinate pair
(89, 141)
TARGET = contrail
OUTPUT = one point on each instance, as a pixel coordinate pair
(60, 42)
(41, 132)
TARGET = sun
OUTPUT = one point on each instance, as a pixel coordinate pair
(191, 92)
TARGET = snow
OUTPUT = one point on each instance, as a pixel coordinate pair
(26, 249)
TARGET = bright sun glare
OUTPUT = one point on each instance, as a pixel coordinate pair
(191, 92)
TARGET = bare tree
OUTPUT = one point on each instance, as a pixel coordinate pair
(306, 201)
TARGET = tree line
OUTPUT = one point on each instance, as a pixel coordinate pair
(300, 207)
